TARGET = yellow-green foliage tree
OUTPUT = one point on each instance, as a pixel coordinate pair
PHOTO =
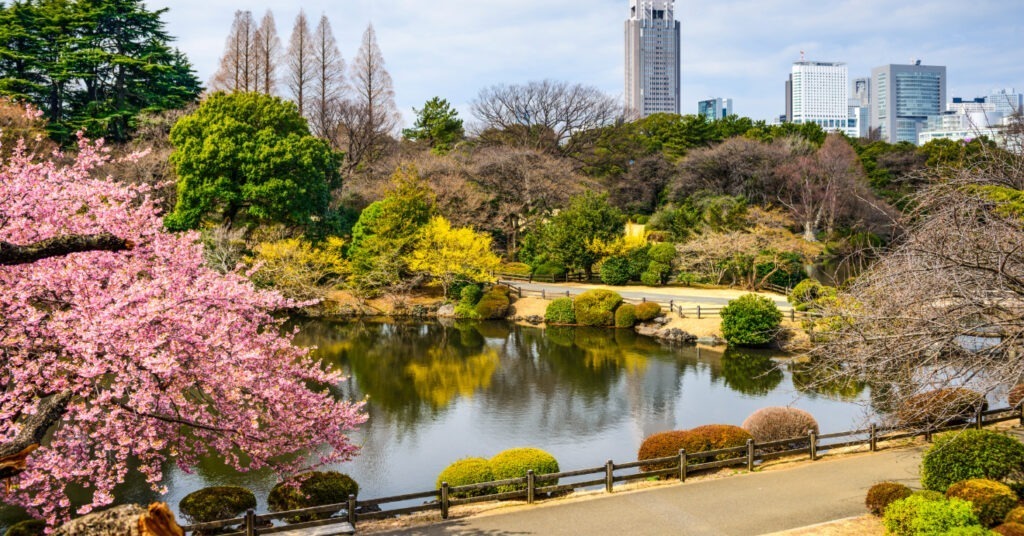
(299, 269)
(448, 254)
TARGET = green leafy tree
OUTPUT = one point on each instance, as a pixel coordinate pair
(250, 157)
(569, 236)
(449, 255)
(92, 65)
(437, 124)
(388, 231)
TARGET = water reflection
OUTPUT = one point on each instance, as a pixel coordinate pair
(750, 372)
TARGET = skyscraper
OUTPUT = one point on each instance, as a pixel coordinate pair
(902, 98)
(820, 94)
(715, 109)
(861, 92)
(652, 58)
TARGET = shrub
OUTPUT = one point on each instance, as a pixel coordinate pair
(931, 495)
(615, 271)
(216, 503)
(917, 515)
(306, 490)
(550, 269)
(778, 423)
(647, 311)
(596, 307)
(465, 472)
(972, 454)
(992, 500)
(1015, 516)
(1010, 529)
(29, 527)
(515, 268)
(514, 463)
(560, 311)
(664, 444)
(493, 304)
(807, 292)
(883, 494)
(750, 320)
(662, 252)
(940, 406)
(470, 295)
(1016, 395)
(625, 316)
(651, 278)
(718, 436)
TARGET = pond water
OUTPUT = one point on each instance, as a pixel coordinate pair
(438, 393)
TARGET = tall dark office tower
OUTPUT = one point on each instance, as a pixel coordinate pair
(652, 58)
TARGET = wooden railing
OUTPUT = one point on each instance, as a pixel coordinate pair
(534, 486)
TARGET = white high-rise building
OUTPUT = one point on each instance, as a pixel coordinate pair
(821, 94)
(652, 58)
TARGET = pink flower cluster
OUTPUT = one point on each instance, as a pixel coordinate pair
(166, 358)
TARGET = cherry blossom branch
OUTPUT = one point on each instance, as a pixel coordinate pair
(11, 254)
(14, 452)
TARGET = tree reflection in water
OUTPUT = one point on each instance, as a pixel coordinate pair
(750, 372)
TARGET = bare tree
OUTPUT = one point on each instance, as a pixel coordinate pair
(268, 52)
(299, 63)
(238, 66)
(819, 188)
(545, 115)
(370, 117)
(946, 307)
(328, 83)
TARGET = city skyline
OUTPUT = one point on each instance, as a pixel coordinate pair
(453, 48)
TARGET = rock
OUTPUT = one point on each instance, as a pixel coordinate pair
(446, 311)
(661, 320)
(536, 320)
(126, 520)
(657, 331)
(711, 341)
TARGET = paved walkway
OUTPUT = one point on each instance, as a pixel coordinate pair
(712, 297)
(748, 504)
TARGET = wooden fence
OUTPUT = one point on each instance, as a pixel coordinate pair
(582, 278)
(698, 311)
(532, 487)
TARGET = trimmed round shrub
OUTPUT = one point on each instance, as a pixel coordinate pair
(992, 500)
(597, 307)
(1016, 395)
(316, 488)
(515, 268)
(647, 311)
(651, 278)
(493, 304)
(514, 463)
(625, 316)
(883, 494)
(465, 472)
(662, 252)
(29, 527)
(807, 292)
(471, 295)
(550, 269)
(615, 271)
(718, 436)
(1010, 529)
(560, 311)
(664, 444)
(940, 406)
(750, 320)
(917, 515)
(972, 454)
(777, 423)
(216, 503)
(1015, 516)
(931, 495)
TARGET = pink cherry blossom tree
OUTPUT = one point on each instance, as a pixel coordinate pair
(119, 345)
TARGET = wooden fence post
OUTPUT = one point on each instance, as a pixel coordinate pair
(352, 510)
(444, 500)
(543, 295)
(531, 486)
(814, 446)
(750, 455)
(672, 306)
(567, 294)
(792, 315)
(977, 419)
(643, 299)
(1020, 412)
(682, 465)
(928, 433)
(698, 312)
(874, 438)
(250, 522)
(609, 476)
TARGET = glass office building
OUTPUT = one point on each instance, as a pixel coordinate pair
(903, 97)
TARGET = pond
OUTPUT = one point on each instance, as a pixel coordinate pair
(437, 393)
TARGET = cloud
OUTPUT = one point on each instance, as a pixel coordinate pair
(731, 48)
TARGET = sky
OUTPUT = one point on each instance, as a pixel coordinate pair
(740, 49)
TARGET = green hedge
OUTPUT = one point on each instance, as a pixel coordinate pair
(597, 307)
(560, 312)
(306, 490)
(549, 269)
(615, 271)
(625, 316)
(750, 320)
(216, 503)
(514, 463)
(465, 472)
(972, 454)
(493, 305)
